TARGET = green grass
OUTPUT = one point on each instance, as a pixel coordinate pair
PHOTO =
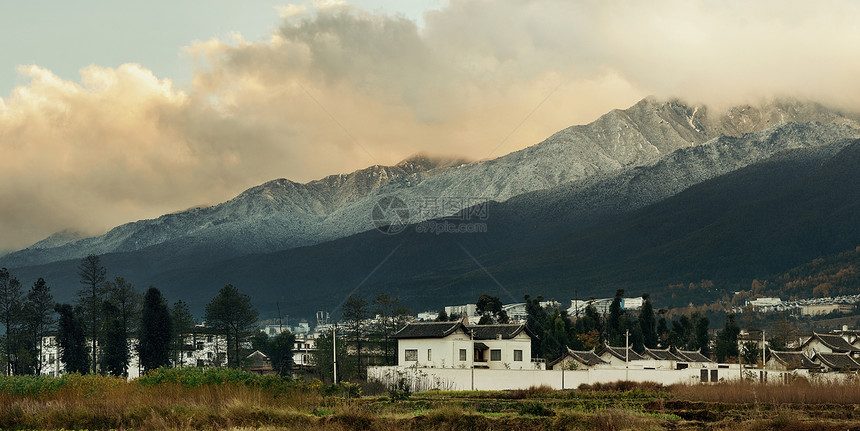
(228, 399)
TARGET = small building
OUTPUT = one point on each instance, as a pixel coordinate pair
(457, 345)
(663, 358)
(828, 343)
(789, 361)
(303, 350)
(617, 357)
(835, 362)
(577, 360)
(258, 362)
(694, 359)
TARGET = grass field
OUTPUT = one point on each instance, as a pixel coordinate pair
(228, 399)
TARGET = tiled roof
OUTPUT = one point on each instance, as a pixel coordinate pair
(618, 352)
(661, 355)
(833, 342)
(793, 360)
(837, 361)
(693, 356)
(492, 332)
(586, 357)
(428, 329)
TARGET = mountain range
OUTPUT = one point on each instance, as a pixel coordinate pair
(625, 194)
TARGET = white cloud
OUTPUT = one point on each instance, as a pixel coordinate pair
(336, 88)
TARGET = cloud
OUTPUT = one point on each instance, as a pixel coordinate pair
(336, 88)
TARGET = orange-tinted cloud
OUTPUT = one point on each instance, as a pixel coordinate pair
(337, 88)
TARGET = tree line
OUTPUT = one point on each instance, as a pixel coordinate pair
(96, 332)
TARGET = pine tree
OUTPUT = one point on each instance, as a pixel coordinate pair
(115, 355)
(183, 323)
(92, 277)
(155, 331)
(39, 318)
(647, 323)
(231, 313)
(281, 352)
(72, 340)
(10, 317)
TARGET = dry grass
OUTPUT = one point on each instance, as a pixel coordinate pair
(798, 392)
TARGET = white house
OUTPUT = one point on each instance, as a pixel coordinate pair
(303, 350)
(457, 345)
(835, 362)
(789, 361)
(694, 359)
(828, 343)
(618, 358)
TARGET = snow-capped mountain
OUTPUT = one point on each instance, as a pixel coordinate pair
(282, 214)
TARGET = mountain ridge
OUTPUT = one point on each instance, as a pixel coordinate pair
(281, 214)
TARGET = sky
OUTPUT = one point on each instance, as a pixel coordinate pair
(112, 112)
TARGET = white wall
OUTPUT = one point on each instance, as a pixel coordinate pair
(488, 379)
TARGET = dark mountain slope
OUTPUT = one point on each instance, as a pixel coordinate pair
(758, 220)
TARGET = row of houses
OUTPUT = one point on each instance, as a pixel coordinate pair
(202, 347)
(438, 346)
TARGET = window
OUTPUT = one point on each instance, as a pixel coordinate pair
(208, 355)
(429, 355)
(495, 355)
(411, 354)
(518, 355)
(208, 338)
(463, 355)
(187, 354)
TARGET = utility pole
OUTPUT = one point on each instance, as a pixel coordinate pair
(627, 355)
(472, 339)
(334, 350)
(762, 349)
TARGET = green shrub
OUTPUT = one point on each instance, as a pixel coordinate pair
(535, 408)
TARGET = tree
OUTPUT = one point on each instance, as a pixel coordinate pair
(281, 352)
(615, 331)
(490, 308)
(538, 321)
(92, 276)
(72, 340)
(38, 319)
(183, 323)
(322, 358)
(647, 322)
(124, 311)
(354, 315)
(751, 352)
(127, 301)
(10, 316)
(155, 331)
(115, 356)
(702, 338)
(442, 316)
(727, 340)
(231, 313)
(387, 308)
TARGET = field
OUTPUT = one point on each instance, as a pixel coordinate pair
(227, 399)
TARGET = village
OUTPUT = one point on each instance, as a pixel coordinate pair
(460, 354)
